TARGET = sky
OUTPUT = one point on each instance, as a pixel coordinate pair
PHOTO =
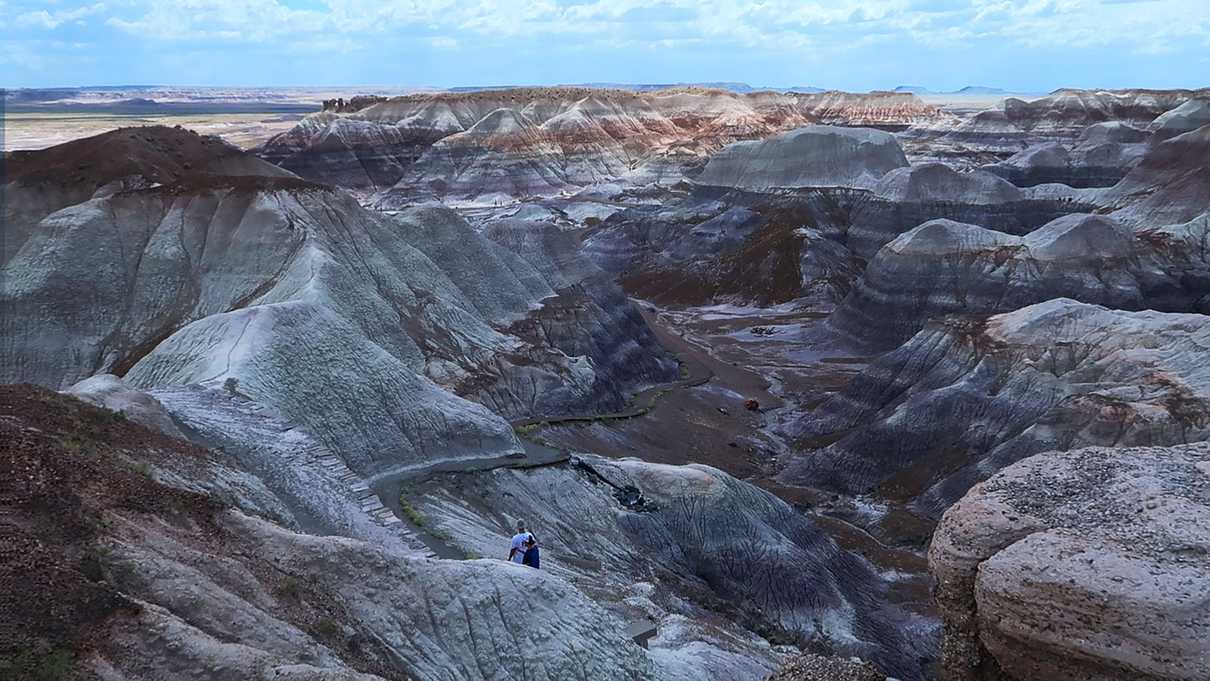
(1024, 46)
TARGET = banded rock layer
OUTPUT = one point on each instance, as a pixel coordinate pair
(967, 396)
(945, 267)
(1101, 157)
(666, 538)
(138, 556)
(306, 299)
(549, 139)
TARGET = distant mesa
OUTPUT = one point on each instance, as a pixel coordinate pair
(979, 90)
(968, 90)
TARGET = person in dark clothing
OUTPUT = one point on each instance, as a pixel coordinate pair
(524, 547)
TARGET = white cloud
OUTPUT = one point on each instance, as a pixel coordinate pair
(53, 20)
(770, 25)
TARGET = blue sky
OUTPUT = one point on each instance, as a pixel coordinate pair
(1030, 46)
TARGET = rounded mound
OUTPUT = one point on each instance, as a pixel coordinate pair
(813, 156)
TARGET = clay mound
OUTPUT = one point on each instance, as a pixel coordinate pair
(1067, 112)
(44, 181)
(937, 182)
(945, 267)
(814, 156)
(1171, 184)
(990, 130)
(939, 238)
(1102, 156)
(967, 396)
(157, 153)
(1077, 565)
(348, 151)
(908, 197)
(1113, 131)
(1092, 237)
(1187, 117)
(138, 556)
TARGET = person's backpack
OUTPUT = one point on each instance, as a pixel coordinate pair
(531, 556)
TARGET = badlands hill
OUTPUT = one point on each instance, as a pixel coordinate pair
(325, 361)
(210, 278)
(969, 395)
(991, 323)
(1063, 108)
(526, 141)
(811, 156)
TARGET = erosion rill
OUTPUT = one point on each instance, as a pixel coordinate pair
(803, 386)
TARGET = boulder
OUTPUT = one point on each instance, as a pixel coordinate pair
(114, 394)
(1085, 564)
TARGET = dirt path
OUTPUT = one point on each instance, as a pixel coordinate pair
(391, 488)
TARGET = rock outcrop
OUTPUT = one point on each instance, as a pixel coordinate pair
(133, 555)
(1187, 117)
(293, 292)
(1087, 564)
(499, 144)
(945, 267)
(967, 396)
(814, 156)
(665, 536)
(908, 197)
(1101, 157)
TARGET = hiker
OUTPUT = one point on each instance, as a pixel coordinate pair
(524, 548)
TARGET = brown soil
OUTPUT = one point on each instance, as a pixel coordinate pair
(63, 466)
(160, 154)
(155, 151)
(764, 270)
(68, 470)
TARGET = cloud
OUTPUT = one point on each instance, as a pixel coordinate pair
(867, 37)
(53, 20)
(802, 25)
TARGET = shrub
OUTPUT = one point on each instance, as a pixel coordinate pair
(289, 588)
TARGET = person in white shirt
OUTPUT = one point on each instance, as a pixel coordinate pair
(521, 542)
